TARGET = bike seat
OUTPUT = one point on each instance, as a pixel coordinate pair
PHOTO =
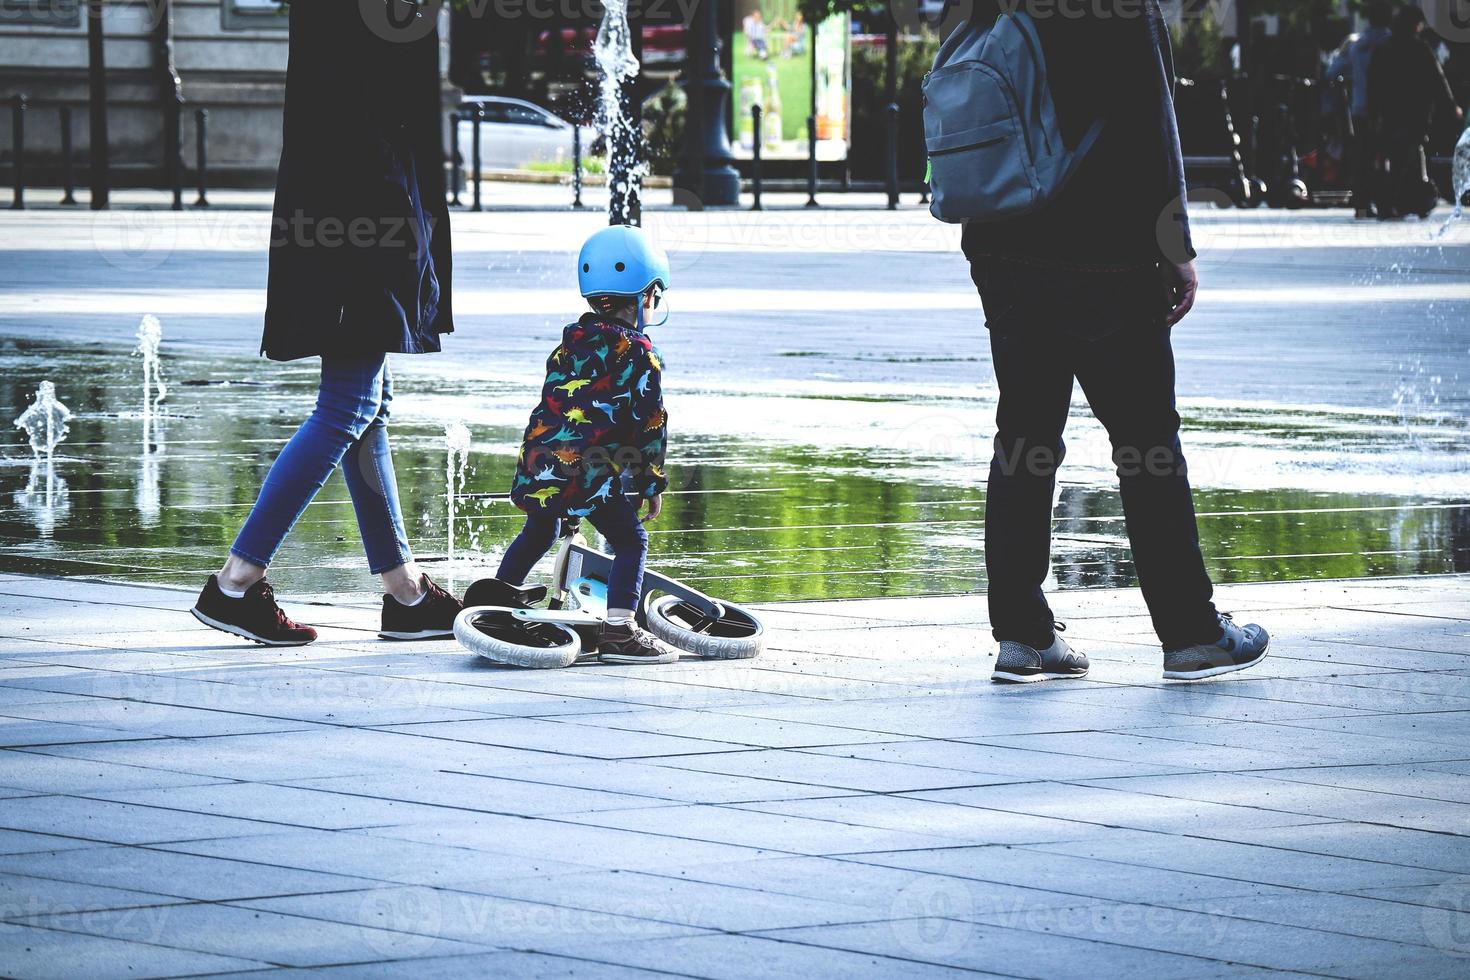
(494, 592)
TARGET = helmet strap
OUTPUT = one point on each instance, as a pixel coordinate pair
(664, 305)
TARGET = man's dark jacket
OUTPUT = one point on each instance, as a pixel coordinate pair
(1106, 59)
(359, 258)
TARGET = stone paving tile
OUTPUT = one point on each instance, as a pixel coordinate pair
(175, 874)
(512, 841)
(1268, 865)
(833, 772)
(1434, 781)
(757, 958)
(28, 842)
(255, 933)
(38, 773)
(564, 738)
(43, 953)
(1002, 951)
(727, 725)
(524, 796)
(23, 898)
(143, 718)
(999, 763)
(423, 916)
(797, 833)
(1384, 807)
(651, 782)
(1435, 851)
(376, 857)
(120, 823)
(1104, 805)
(1216, 934)
(473, 966)
(1395, 916)
(677, 898)
(956, 822)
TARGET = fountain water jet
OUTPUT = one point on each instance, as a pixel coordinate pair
(150, 334)
(456, 466)
(1460, 181)
(44, 422)
(613, 52)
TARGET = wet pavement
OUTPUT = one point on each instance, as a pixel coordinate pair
(829, 388)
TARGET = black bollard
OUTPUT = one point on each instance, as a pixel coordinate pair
(893, 156)
(456, 159)
(475, 153)
(18, 149)
(201, 156)
(68, 179)
(755, 157)
(576, 164)
(811, 161)
(176, 149)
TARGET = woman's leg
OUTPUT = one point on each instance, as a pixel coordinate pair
(367, 466)
(529, 547)
(347, 403)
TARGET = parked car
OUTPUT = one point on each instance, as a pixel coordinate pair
(515, 133)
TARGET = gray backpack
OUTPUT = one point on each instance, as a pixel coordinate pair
(990, 126)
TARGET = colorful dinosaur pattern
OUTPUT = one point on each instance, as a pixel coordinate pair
(600, 427)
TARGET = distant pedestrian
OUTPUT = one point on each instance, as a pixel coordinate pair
(1367, 174)
(1086, 289)
(359, 268)
(1407, 89)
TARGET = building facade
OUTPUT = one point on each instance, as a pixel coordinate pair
(226, 56)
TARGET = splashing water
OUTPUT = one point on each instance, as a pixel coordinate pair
(456, 466)
(1460, 180)
(150, 334)
(614, 54)
(44, 422)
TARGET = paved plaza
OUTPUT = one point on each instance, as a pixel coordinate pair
(861, 801)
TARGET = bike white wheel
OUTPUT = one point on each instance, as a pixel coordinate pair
(737, 635)
(497, 635)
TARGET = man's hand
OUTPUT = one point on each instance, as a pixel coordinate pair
(1181, 283)
(655, 507)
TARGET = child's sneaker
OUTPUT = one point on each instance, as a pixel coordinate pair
(625, 643)
(1237, 648)
(255, 616)
(431, 618)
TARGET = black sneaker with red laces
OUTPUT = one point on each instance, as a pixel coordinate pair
(431, 618)
(254, 617)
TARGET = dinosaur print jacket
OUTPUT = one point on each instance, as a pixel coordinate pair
(600, 428)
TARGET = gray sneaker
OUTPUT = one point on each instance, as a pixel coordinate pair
(1020, 664)
(1238, 647)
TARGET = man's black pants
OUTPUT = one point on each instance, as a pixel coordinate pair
(1104, 330)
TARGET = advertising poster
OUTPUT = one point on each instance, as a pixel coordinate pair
(772, 66)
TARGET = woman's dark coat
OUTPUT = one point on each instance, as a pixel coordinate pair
(359, 257)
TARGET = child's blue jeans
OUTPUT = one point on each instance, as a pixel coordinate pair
(617, 520)
(349, 426)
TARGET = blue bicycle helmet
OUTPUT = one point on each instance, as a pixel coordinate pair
(621, 261)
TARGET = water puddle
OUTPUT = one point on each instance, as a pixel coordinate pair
(871, 496)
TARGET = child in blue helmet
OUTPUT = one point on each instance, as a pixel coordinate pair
(595, 444)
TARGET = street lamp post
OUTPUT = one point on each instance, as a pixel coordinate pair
(97, 166)
(706, 166)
